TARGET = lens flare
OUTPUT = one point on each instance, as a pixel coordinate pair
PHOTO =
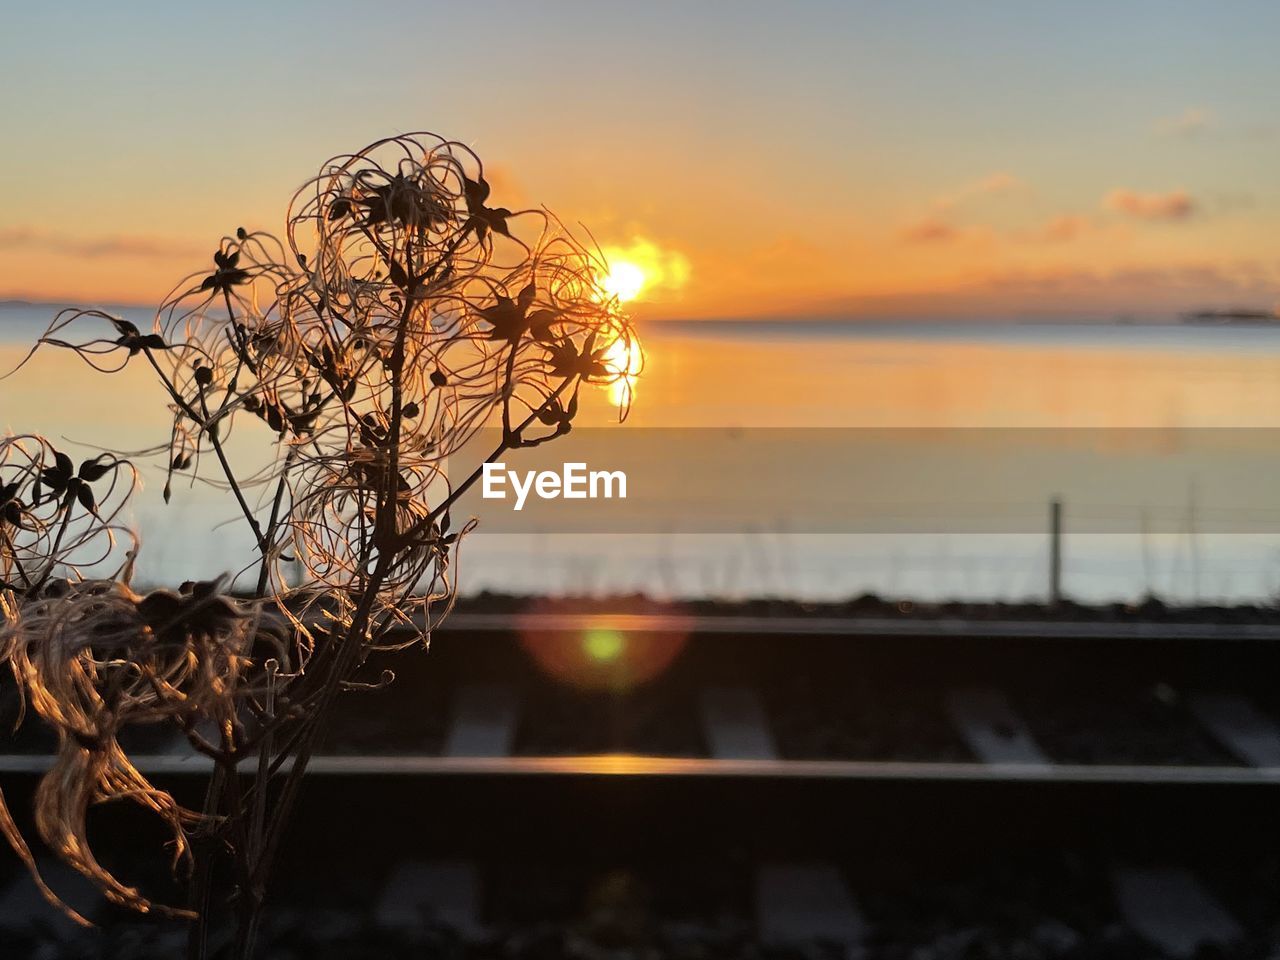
(603, 645)
(600, 651)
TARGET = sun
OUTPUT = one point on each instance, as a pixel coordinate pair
(624, 280)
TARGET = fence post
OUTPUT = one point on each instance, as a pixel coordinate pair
(1055, 551)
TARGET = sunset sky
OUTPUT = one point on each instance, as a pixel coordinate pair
(875, 159)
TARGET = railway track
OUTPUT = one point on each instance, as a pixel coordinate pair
(621, 786)
(739, 697)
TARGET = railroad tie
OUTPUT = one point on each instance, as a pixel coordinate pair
(804, 903)
(1170, 907)
(991, 728)
(421, 894)
(735, 724)
(483, 721)
(1238, 724)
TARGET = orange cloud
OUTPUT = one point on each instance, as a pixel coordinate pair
(1069, 292)
(930, 230)
(1174, 205)
(1067, 226)
(29, 238)
(935, 228)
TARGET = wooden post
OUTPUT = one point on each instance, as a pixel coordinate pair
(1055, 551)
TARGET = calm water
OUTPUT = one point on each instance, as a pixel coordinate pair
(738, 374)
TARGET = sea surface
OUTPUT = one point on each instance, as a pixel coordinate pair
(797, 375)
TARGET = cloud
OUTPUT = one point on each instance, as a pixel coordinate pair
(940, 231)
(1065, 227)
(1000, 183)
(930, 230)
(1190, 123)
(1142, 287)
(1174, 205)
(1067, 293)
(93, 248)
(936, 228)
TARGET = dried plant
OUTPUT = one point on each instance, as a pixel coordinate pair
(400, 314)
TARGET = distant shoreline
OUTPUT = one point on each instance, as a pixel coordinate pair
(56, 305)
(799, 323)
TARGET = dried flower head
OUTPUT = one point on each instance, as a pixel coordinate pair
(401, 313)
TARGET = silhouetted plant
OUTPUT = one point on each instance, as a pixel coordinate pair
(398, 316)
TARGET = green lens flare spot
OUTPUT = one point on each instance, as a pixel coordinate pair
(603, 646)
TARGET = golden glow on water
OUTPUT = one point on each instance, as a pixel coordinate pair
(717, 381)
(707, 380)
(627, 360)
